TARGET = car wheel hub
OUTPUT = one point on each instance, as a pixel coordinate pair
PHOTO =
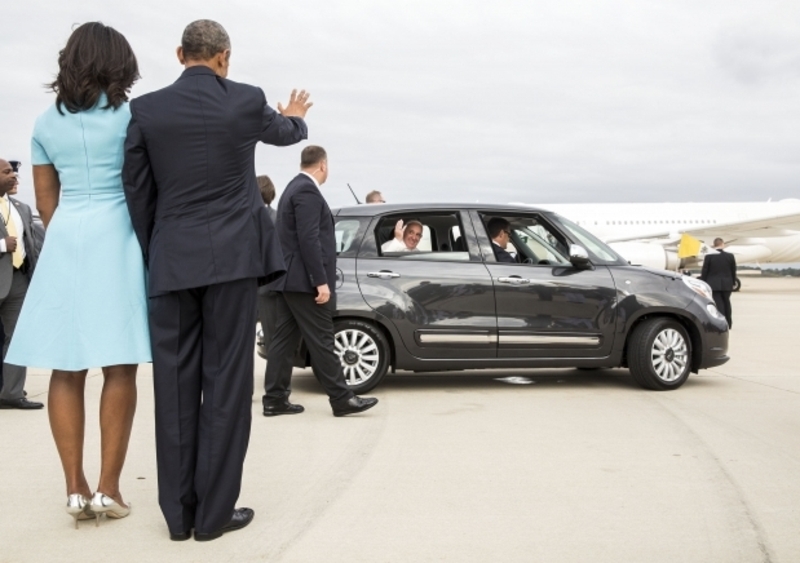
(669, 355)
(359, 354)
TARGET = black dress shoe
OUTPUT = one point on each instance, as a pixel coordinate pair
(241, 518)
(353, 405)
(183, 536)
(274, 408)
(21, 403)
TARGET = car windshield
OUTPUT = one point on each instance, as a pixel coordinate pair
(599, 252)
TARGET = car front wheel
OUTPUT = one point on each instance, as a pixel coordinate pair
(364, 353)
(659, 354)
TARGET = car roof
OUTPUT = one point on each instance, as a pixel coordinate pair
(372, 209)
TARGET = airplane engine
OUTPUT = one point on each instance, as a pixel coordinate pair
(646, 254)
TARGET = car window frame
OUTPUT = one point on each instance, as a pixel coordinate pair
(364, 222)
(486, 244)
(369, 245)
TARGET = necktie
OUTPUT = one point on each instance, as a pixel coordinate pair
(11, 227)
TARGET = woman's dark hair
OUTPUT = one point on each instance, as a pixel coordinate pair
(96, 59)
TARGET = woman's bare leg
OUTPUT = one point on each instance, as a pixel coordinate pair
(117, 407)
(65, 408)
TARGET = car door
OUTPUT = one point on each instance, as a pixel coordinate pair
(440, 300)
(546, 308)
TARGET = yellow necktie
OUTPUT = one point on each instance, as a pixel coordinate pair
(11, 227)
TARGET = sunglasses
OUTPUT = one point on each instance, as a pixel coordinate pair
(15, 164)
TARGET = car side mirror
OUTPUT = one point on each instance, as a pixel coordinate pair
(579, 257)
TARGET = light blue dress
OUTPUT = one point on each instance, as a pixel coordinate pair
(86, 305)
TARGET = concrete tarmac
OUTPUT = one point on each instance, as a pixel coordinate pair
(576, 466)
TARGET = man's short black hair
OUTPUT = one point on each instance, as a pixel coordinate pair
(311, 156)
(202, 39)
(496, 226)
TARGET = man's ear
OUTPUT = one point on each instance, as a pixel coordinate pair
(181, 58)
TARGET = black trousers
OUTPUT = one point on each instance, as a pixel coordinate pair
(299, 315)
(722, 299)
(202, 342)
(267, 314)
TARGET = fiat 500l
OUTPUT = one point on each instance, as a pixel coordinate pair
(567, 300)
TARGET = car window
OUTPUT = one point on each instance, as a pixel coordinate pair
(348, 231)
(432, 236)
(530, 240)
(345, 234)
(598, 251)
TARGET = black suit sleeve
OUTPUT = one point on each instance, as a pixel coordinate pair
(308, 207)
(732, 261)
(279, 130)
(139, 184)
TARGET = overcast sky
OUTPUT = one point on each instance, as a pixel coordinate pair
(541, 101)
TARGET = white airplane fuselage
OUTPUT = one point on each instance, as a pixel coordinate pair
(649, 233)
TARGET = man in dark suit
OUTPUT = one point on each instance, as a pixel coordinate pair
(18, 255)
(719, 272)
(307, 294)
(267, 307)
(206, 236)
(500, 233)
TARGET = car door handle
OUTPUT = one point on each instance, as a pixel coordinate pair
(383, 275)
(514, 280)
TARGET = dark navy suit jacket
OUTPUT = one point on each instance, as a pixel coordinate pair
(719, 270)
(190, 184)
(502, 254)
(306, 232)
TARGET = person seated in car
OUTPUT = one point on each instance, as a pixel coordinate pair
(406, 237)
(500, 233)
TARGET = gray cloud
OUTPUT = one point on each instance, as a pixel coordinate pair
(549, 101)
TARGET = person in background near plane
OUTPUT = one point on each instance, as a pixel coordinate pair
(500, 233)
(406, 237)
(719, 272)
(375, 197)
(267, 189)
(267, 306)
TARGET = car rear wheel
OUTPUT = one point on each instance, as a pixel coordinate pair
(659, 354)
(364, 353)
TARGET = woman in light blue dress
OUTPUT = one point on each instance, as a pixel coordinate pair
(86, 306)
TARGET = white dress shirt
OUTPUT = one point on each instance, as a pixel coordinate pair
(396, 245)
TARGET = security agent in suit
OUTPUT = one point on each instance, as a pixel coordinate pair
(500, 233)
(206, 236)
(267, 306)
(719, 272)
(18, 255)
(307, 299)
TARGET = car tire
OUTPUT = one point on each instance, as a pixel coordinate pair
(660, 354)
(364, 353)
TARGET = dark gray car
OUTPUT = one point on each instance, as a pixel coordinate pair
(569, 301)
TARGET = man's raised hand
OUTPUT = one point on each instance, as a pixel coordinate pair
(298, 104)
(398, 230)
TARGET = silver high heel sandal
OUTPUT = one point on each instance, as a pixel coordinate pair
(104, 504)
(78, 507)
